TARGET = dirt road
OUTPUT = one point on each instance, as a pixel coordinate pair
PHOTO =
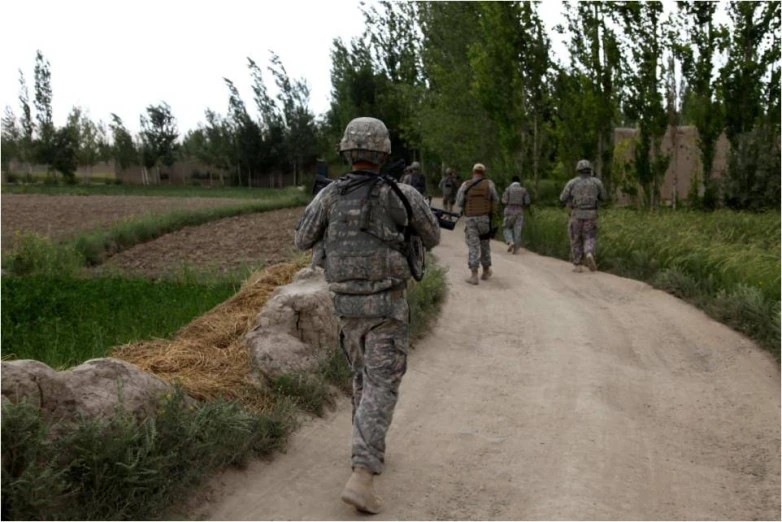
(544, 394)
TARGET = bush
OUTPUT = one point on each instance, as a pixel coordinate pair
(123, 468)
(425, 298)
(34, 254)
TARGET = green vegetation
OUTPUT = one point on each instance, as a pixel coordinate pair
(122, 468)
(726, 263)
(426, 297)
(183, 191)
(63, 321)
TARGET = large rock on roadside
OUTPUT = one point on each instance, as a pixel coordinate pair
(93, 389)
(296, 327)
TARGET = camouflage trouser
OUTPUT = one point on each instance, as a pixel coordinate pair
(511, 227)
(377, 351)
(583, 235)
(478, 249)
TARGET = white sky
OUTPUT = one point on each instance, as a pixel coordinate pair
(121, 57)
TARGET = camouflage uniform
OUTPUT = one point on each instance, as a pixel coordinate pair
(515, 198)
(479, 250)
(582, 194)
(359, 220)
(448, 188)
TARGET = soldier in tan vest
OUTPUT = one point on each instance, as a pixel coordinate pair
(478, 200)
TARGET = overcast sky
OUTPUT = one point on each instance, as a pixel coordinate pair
(122, 56)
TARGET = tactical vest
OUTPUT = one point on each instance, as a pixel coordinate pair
(516, 195)
(418, 181)
(585, 194)
(477, 200)
(364, 238)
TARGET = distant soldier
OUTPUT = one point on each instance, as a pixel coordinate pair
(448, 186)
(406, 177)
(417, 179)
(361, 220)
(478, 199)
(582, 195)
(515, 198)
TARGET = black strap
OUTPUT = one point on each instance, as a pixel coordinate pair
(392, 183)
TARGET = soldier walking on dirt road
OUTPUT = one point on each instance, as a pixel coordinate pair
(448, 186)
(582, 195)
(361, 219)
(515, 198)
(478, 199)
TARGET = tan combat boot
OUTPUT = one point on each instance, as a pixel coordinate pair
(473, 280)
(510, 247)
(486, 274)
(515, 250)
(360, 493)
(590, 262)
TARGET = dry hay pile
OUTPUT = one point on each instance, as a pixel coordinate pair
(208, 356)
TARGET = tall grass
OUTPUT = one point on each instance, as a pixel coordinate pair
(727, 263)
(63, 321)
(152, 190)
(124, 469)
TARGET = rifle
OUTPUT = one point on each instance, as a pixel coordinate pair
(445, 219)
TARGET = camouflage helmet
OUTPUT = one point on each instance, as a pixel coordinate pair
(448, 171)
(583, 165)
(415, 166)
(365, 139)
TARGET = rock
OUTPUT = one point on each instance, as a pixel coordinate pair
(93, 389)
(296, 328)
(26, 379)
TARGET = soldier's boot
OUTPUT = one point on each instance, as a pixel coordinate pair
(486, 273)
(360, 493)
(510, 247)
(590, 262)
(578, 269)
(515, 250)
(473, 280)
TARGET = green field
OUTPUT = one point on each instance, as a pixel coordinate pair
(65, 321)
(724, 262)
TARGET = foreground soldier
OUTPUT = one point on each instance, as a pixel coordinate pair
(448, 187)
(363, 219)
(515, 198)
(582, 194)
(478, 199)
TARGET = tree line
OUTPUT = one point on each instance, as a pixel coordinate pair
(457, 82)
(280, 136)
(462, 82)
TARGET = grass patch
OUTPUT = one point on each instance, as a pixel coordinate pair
(123, 469)
(32, 255)
(425, 298)
(185, 191)
(725, 262)
(63, 321)
(309, 392)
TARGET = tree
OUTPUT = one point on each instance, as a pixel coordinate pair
(705, 36)
(10, 137)
(644, 102)
(45, 150)
(65, 147)
(247, 139)
(104, 145)
(594, 86)
(89, 146)
(26, 143)
(299, 120)
(159, 134)
(123, 149)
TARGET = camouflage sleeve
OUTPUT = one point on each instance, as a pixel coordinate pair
(460, 195)
(493, 193)
(424, 222)
(313, 222)
(565, 196)
(505, 197)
